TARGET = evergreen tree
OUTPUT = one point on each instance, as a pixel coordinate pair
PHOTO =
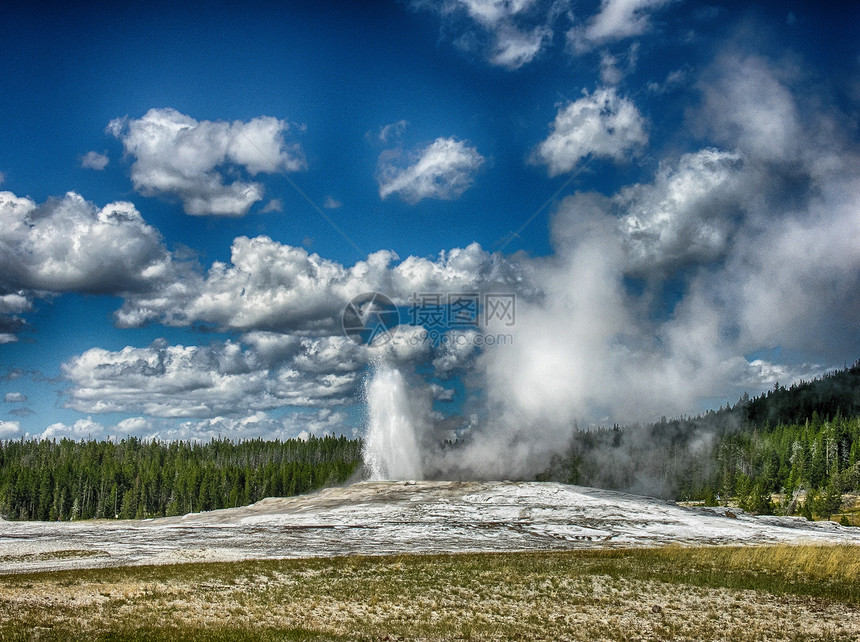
(47, 479)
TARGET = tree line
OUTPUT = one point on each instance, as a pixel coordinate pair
(137, 479)
(800, 443)
(817, 461)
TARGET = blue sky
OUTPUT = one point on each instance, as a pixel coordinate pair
(193, 192)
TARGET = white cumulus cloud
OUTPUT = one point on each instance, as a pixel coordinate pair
(259, 425)
(687, 214)
(616, 20)
(507, 33)
(267, 286)
(444, 169)
(602, 124)
(69, 244)
(516, 47)
(81, 429)
(9, 428)
(276, 287)
(178, 156)
(10, 323)
(94, 160)
(274, 205)
(220, 379)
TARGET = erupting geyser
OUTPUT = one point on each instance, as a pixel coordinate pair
(390, 447)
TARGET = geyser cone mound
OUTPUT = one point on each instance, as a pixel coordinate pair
(373, 518)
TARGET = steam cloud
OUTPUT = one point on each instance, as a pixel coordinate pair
(754, 241)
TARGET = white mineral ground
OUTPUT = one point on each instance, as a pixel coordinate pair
(375, 518)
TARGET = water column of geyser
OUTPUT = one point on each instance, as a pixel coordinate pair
(390, 445)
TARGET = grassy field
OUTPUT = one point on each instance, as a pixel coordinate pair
(731, 593)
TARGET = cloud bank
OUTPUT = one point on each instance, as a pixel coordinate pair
(208, 381)
(71, 245)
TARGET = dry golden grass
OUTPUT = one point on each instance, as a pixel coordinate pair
(816, 563)
(729, 593)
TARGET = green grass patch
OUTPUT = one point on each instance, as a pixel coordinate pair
(743, 593)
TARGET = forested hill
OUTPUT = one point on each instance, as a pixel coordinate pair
(836, 393)
(61, 480)
(802, 438)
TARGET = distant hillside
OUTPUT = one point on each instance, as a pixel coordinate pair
(805, 437)
(836, 393)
